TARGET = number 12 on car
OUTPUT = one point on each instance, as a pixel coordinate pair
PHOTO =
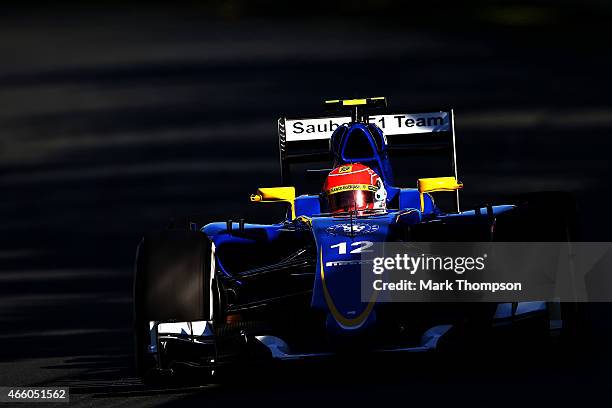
(358, 247)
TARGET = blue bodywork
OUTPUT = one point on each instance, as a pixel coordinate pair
(336, 284)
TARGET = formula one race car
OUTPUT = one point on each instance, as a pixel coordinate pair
(209, 295)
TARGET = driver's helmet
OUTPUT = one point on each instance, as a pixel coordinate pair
(354, 187)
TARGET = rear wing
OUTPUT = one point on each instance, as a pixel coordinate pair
(307, 139)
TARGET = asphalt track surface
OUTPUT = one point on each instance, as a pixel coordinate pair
(110, 124)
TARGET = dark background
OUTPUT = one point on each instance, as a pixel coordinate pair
(115, 117)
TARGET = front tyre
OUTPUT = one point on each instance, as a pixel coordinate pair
(173, 282)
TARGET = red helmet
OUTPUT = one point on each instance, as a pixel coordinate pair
(354, 187)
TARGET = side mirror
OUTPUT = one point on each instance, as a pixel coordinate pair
(432, 185)
(276, 194)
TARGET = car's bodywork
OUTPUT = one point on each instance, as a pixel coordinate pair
(292, 288)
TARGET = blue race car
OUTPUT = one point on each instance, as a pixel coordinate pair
(211, 294)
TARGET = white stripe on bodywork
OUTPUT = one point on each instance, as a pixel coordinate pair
(177, 328)
(200, 328)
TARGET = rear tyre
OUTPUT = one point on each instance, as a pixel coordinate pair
(549, 217)
(557, 216)
(172, 282)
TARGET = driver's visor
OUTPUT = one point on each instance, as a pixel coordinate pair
(351, 200)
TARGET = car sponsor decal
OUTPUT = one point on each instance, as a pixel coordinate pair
(348, 263)
(355, 228)
(352, 187)
(392, 124)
